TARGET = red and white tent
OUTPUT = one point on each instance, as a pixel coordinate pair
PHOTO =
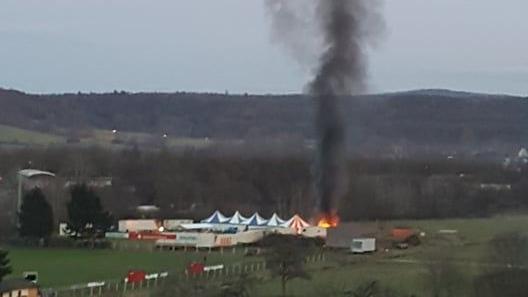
(296, 223)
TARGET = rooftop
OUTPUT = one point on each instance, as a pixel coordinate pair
(15, 284)
(34, 172)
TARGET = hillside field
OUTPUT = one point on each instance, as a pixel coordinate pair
(10, 134)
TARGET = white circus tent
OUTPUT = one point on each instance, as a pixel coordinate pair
(216, 218)
(237, 219)
(296, 223)
(275, 221)
(255, 220)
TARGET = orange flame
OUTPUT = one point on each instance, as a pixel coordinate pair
(328, 221)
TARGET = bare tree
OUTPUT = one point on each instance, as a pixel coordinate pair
(285, 258)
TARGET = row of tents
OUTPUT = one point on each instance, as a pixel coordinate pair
(256, 220)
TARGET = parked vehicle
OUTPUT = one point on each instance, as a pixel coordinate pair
(363, 245)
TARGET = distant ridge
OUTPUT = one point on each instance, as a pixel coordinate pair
(423, 119)
(421, 92)
(447, 93)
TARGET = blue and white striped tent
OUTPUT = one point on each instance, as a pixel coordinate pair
(255, 220)
(275, 221)
(216, 218)
(237, 219)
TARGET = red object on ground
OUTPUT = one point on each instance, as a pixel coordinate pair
(195, 268)
(136, 276)
(402, 233)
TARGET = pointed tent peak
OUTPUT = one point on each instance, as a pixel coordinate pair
(237, 218)
(216, 218)
(296, 223)
(255, 220)
(296, 219)
(275, 220)
(260, 219)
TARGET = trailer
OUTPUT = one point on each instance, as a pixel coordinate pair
(363, 245)
(126, 226)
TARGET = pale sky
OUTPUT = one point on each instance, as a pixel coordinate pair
(217, 45)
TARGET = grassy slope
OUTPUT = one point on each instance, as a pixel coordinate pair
(9, 134)
(12, 134)
(105, 137)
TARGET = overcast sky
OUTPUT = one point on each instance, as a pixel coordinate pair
(217, 45)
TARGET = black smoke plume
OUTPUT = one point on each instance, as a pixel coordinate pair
(343, 31)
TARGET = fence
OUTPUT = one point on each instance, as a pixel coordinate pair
(107, 288)
(123, 288)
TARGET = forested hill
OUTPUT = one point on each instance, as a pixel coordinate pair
(425, 118)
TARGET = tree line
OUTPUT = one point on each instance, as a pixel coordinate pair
(86, 217)
(192, 184)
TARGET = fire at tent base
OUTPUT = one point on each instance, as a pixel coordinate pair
(328, 221)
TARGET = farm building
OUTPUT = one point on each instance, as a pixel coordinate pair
(18, 288)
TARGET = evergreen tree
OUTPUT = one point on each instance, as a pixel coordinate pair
(87, 219)
(5, 268)
(36, 216)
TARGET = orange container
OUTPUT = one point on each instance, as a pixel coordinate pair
(402, 233)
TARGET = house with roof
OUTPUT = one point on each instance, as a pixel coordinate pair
(18, 288)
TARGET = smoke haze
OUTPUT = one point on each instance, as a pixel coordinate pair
(343, 31)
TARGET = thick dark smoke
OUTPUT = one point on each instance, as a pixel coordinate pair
(345, 28)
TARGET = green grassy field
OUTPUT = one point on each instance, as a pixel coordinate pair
(63, 267)
(407, 270)
(16, 135)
